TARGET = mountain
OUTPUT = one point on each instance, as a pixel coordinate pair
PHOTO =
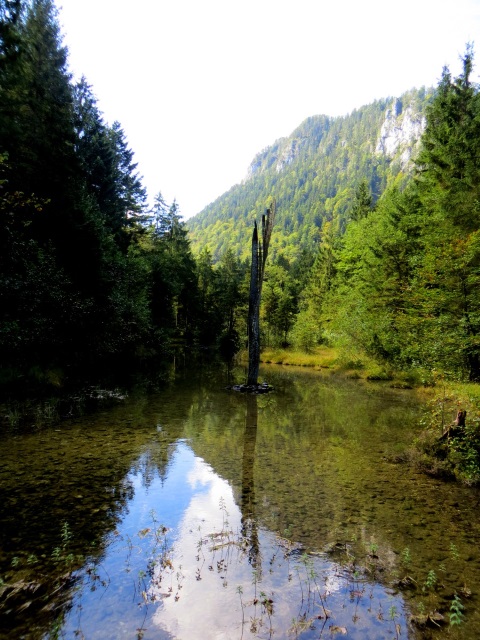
(314, 174)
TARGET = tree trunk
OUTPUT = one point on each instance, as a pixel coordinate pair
(457, 427)
(254, 315)
(259, 258)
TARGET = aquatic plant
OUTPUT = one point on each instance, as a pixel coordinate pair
(240, 593)
(430, 581)
(406, 557)
(456, 611)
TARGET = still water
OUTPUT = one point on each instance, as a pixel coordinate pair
(197, 512)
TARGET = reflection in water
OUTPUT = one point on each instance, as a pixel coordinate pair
(197, 513)
(205, 605)
(276, 590)
(249, 522)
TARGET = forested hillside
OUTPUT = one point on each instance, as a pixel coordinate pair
(402, 283)
(376, 248)
(314, 175)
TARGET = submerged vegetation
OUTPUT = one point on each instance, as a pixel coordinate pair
(331, 591)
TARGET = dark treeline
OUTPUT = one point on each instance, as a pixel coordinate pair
(87, 273)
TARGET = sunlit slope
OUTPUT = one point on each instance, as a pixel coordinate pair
(313, 174)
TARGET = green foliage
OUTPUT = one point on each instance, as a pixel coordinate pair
(315, 175)
(362, 204)
(407, 273)
(456, 611)
(445, 449)
(447, 186)
(367, 305)
(309, 330)
(406, 557)
(364, 256)
(430, 581)
(464, 453)
(279, 304)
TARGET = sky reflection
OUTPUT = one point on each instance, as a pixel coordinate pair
(180, 565)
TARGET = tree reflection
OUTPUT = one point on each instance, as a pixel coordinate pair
(247, 507)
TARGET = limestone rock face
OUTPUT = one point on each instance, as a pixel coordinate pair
(289, 153)
(254, 168)
(400, 132)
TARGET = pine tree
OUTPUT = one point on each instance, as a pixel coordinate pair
(231, 300)
(10, 14)
(160, 215)
(126, 206)
(36, 113)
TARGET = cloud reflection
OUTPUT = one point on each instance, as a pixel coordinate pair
(208, 605)
(221, 592)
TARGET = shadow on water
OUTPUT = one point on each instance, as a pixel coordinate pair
(195, 512)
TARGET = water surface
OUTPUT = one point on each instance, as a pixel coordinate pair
(197, 512)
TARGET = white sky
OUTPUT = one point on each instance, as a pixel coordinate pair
(201, 86)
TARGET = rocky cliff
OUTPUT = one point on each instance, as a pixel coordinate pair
(401, 132)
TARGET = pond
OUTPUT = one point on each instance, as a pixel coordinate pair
(197, 512)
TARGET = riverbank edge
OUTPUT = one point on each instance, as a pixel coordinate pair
(439, 449)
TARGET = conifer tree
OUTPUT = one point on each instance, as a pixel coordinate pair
(36, 112)
(160, 215)
(448, 188)
(362, 204)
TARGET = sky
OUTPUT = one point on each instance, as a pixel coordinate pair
(201, 86)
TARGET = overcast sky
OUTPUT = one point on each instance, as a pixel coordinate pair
(200, 86)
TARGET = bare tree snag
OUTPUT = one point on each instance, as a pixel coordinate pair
(259, 258)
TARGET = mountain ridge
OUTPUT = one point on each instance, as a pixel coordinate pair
(313, 174)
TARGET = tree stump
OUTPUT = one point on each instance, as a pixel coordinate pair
(457, 425)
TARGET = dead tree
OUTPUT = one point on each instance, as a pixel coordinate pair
(259, 258)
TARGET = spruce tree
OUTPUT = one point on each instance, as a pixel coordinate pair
(362, 204)
(37, 118)
(448, 188)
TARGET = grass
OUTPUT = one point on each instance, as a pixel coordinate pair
(333, 359)
(456, 455)
(320, 358)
